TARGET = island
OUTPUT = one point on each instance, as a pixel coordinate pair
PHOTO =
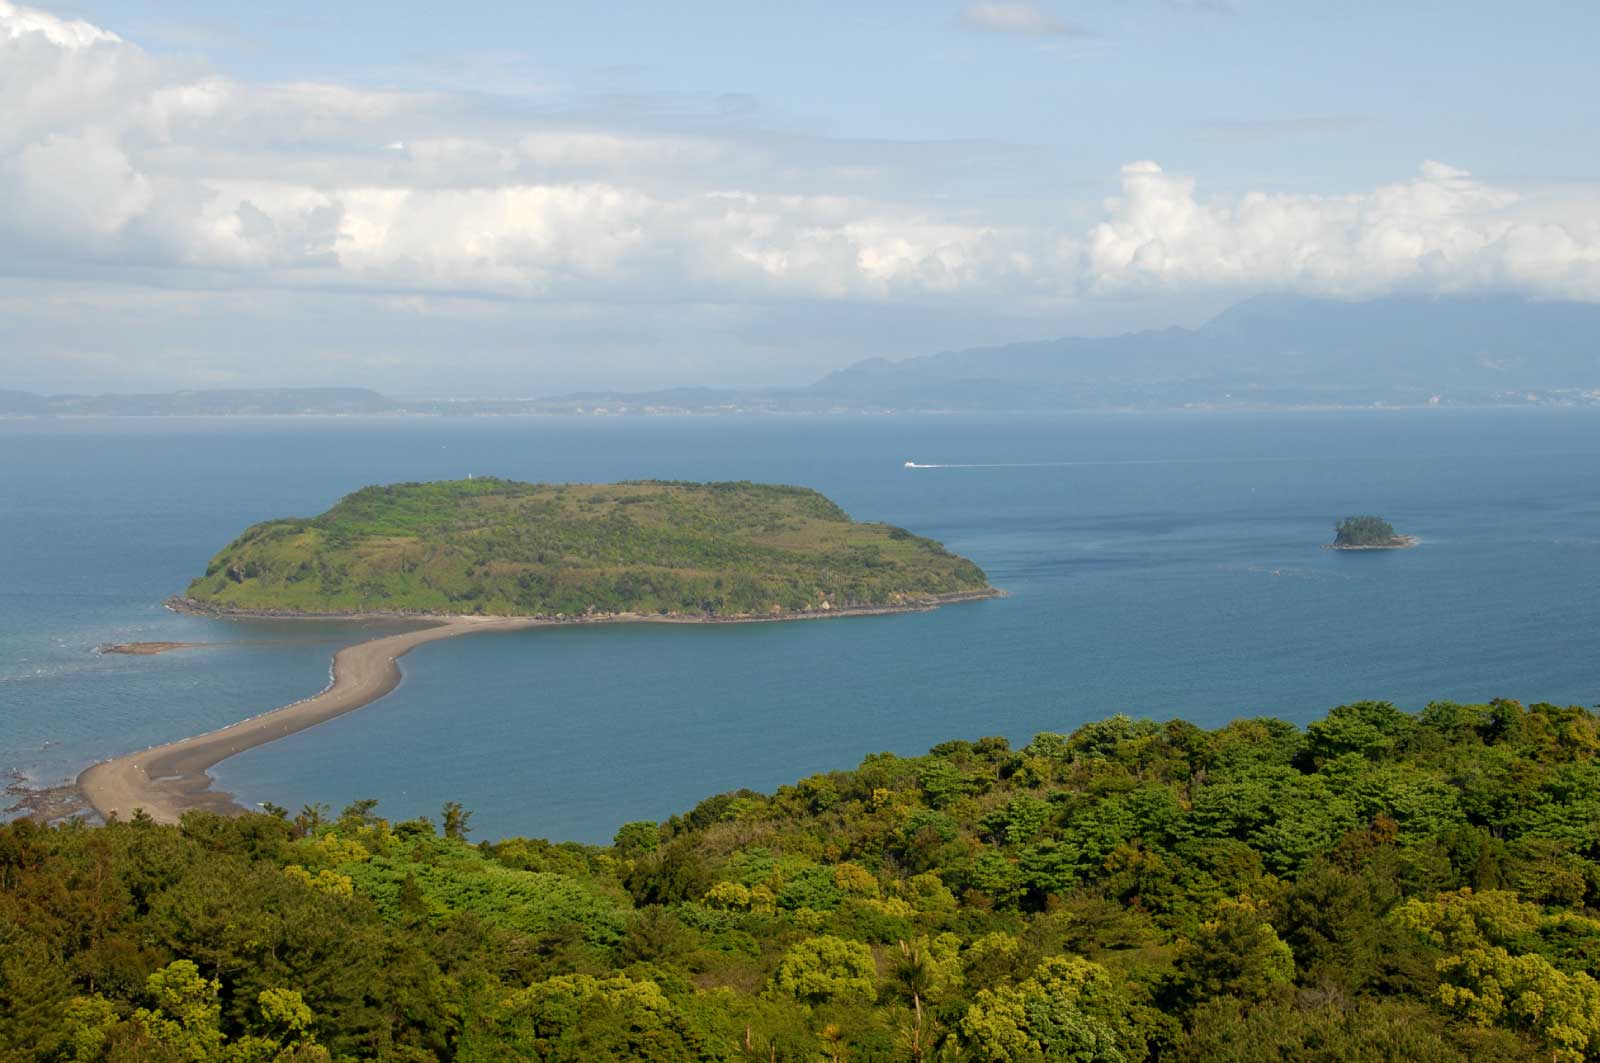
(491, 547)
(484, 554)
(1368, 533)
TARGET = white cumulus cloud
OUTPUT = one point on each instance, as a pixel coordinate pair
(1013, 16)
(1442, 230)
(126, 166)
(19, 21)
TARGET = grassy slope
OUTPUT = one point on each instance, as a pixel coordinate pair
(499, 547)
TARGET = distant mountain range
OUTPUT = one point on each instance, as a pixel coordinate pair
(1271, 351)
(230, 402)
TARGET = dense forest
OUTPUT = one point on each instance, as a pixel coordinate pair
(514, 549)
(1364, 531)
(1378, 886)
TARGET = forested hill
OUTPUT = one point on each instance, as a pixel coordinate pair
(513, 549)
(1378, 887)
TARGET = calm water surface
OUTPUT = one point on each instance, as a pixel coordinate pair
(1164, 565)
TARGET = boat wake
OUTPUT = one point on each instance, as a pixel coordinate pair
(1110, 461)
(1008, 464)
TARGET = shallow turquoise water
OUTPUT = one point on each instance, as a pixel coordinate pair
(1174, 569)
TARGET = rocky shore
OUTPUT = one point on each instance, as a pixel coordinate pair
(149, 649)
(1399, 542)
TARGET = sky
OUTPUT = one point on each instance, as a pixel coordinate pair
(522, 200)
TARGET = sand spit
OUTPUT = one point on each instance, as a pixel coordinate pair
(169, 780)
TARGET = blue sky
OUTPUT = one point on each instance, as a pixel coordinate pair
(643, 194)
(1238, 93)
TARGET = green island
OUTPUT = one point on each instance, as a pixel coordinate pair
(1368, 533)
(498, 548)
(1375, 887)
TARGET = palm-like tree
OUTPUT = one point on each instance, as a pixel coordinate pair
(913, 976)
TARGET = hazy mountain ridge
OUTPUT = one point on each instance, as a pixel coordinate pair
(221, 402)
(1270, 351)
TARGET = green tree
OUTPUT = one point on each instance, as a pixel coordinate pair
(637, 838)
(187, 1018)
(34, 987)
(1370, 729)
(455, 820)
(1363, 531)
(578, 1018)
(1334, 1031)
(1068, 1009)
(824, 969)
(1235, 953)
(1491, 976)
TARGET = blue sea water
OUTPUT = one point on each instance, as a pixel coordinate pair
(1161, 564)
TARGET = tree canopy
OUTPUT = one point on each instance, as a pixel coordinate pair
(1363, 531)
(1379, 886)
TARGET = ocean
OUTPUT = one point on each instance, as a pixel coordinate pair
(1159, 565)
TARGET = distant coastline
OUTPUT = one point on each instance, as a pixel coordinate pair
(1268, 352)
(168, 780)
(624, 412)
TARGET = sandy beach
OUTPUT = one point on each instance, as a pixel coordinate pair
(169, 780)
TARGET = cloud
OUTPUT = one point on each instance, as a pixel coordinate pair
(112, 160)
(1443, 230)
(1015, 16)
(18, 22)
(121, 167)
(1272, 129)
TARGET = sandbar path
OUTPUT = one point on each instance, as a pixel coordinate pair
(167, 781)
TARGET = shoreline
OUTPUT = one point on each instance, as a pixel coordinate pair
(920, 604)
(1400, 542)
(858, 412)
(168, 780)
